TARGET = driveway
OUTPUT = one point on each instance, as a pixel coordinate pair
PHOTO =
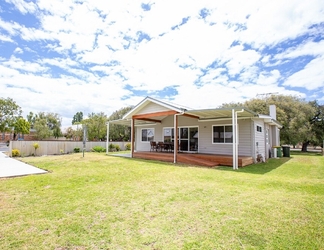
(10, 167)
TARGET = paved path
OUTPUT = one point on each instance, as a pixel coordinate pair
(10, 167)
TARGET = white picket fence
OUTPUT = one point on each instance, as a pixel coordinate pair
(57, 147)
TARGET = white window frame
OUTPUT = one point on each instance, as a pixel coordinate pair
(258, 126)
(147, 141)
(222, 125)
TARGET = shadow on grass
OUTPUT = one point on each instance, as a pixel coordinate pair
(306, 153)
(259, 168)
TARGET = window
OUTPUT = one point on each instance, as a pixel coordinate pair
(223, 134)
(259, 128)
(147, 134)
(168, 134)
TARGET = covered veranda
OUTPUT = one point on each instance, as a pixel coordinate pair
(134, 119)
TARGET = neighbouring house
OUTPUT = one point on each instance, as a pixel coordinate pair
(230, 136)
(11, 136)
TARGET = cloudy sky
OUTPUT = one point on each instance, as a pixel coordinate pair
(66, 56)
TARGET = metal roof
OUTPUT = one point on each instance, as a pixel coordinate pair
(201, 114)
(222, 113)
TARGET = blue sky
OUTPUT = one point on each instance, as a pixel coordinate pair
(98, 56)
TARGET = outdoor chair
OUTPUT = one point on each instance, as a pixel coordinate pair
(160, 145)
(154, 146)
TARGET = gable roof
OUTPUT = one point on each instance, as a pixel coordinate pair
(149, 100)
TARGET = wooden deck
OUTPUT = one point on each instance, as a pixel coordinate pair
(207, 160)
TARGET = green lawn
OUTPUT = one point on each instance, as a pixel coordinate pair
(108, 202)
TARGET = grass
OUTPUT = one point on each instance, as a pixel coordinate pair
(108, 202)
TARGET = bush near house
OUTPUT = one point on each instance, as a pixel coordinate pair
(127, 146)
(76, 150)
(98, 149)
(15, 153)
(111, 147)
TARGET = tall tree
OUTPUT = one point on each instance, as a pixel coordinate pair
(119, 132)
(78, 117)
(10, 111)
(96, 126)
(47, 124)
(42, 130)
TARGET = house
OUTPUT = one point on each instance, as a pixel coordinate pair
(234, 137)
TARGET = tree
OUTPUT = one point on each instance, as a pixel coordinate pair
(73, 134)
(96, 126)
(78, 117)
(47, 124)
(119, 132)
(318, 124)
(22, 126)
(294, 113)
(69, 133)
(42, 130)
(10, 111)
(31, 119)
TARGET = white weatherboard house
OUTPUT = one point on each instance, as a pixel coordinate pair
(230, 136)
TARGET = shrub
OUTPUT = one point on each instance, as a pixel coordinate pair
(15, 153)
(127, 146)
(98, 149)
(76, 150)
(117, 147)
(36, 146)
(111, 147)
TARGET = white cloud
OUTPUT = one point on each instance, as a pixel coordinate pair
(11, 27)
(17, 63)
(268, 78)
(85, 55)
(311, 77)
(18, 51)
(23, 6)
(309, 48)
(238, 59)
(276, 21)
(4, 38)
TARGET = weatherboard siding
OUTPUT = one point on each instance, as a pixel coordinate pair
(207, 146)
(152, 108)
(259, 138)
(205, 130)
